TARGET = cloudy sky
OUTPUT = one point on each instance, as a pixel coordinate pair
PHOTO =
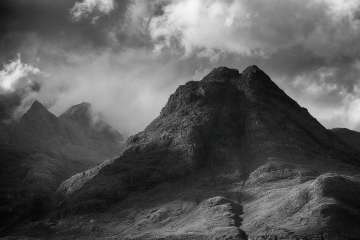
(127, 56)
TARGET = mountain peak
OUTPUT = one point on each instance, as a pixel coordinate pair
(253, 74)
(39, 119)
(221, 74)
(79, 108)
(38, 110)
(252, 69)
(36, 105)
(252, 80)
(255, 83)
(80, 113)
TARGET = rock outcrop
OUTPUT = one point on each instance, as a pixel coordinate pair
(302, 205)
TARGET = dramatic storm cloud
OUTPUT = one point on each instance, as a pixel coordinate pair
(126, 57)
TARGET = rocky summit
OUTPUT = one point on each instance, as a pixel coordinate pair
(229, 157)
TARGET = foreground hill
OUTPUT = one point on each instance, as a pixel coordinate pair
(227, 154)
(41, 150)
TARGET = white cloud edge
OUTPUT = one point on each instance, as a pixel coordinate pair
(86, 8)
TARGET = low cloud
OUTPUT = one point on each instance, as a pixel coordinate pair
(17, 75)
(128, 88)
(19, 84)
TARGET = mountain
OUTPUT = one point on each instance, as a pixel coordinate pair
(226, 121)
(80, 113)
(86, 127)
(74, 135)
(38, 129)
(236, 137)
(41, 150)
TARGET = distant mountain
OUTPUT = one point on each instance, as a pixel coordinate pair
(85, 127)
(237, 135)
(38, 130)
(40, 150)
(81, 113)
(77, 135)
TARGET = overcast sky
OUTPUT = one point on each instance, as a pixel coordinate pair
(127, 56)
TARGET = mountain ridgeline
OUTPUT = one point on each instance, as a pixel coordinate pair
(228, 157)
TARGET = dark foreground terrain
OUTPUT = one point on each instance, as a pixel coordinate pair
(229, 157)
